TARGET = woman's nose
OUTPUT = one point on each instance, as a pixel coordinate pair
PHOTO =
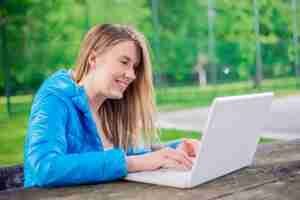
(130, 73)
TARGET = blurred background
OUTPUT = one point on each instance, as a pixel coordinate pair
(200, 49)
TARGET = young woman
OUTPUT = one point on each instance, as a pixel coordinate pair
(95, 123)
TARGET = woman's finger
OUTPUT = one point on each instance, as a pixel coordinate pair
(173, 164)
(188, 147)
(191, 147)
(179, 156)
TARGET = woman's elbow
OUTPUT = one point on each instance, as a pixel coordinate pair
(44, 177)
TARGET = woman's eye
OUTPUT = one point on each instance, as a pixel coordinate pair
(124, 62)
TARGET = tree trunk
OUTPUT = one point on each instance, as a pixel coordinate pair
(5, 68)
(258, 72)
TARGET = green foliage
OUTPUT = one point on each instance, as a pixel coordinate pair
(276, 33)
(183, 32)
(43, 36)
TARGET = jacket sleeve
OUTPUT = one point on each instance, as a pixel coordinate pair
(140, 151)
(49, 162)
(173, 144)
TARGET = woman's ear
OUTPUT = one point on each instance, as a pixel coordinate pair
(92, 60)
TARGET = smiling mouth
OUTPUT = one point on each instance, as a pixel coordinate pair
(123, 85)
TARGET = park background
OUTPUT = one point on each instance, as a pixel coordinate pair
(200, 49)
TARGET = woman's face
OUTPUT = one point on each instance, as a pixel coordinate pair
(113, 71)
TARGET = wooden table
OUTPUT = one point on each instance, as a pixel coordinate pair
(274, 175)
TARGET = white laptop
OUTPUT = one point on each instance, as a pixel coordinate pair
(229, 142)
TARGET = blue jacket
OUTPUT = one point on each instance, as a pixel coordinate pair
(62, 146)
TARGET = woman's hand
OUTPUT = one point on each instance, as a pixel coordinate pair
(189, 146)
(164, 158)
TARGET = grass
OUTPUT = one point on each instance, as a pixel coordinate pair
(173, 134)
(175, 98)
(13, 129)
(12, 132)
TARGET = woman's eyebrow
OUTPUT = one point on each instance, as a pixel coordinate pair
(126, 57)
(129, 59)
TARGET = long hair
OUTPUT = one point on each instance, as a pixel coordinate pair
(130, 120)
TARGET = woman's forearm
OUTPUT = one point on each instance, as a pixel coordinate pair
(134, 163)
(145, 162)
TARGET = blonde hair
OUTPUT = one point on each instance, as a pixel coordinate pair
(127, 121)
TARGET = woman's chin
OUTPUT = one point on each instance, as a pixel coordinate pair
(116, 95)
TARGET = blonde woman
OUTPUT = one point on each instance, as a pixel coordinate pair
(95, 123)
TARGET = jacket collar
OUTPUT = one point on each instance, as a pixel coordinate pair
(76, 92)
(80, 100)
(62, 84)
